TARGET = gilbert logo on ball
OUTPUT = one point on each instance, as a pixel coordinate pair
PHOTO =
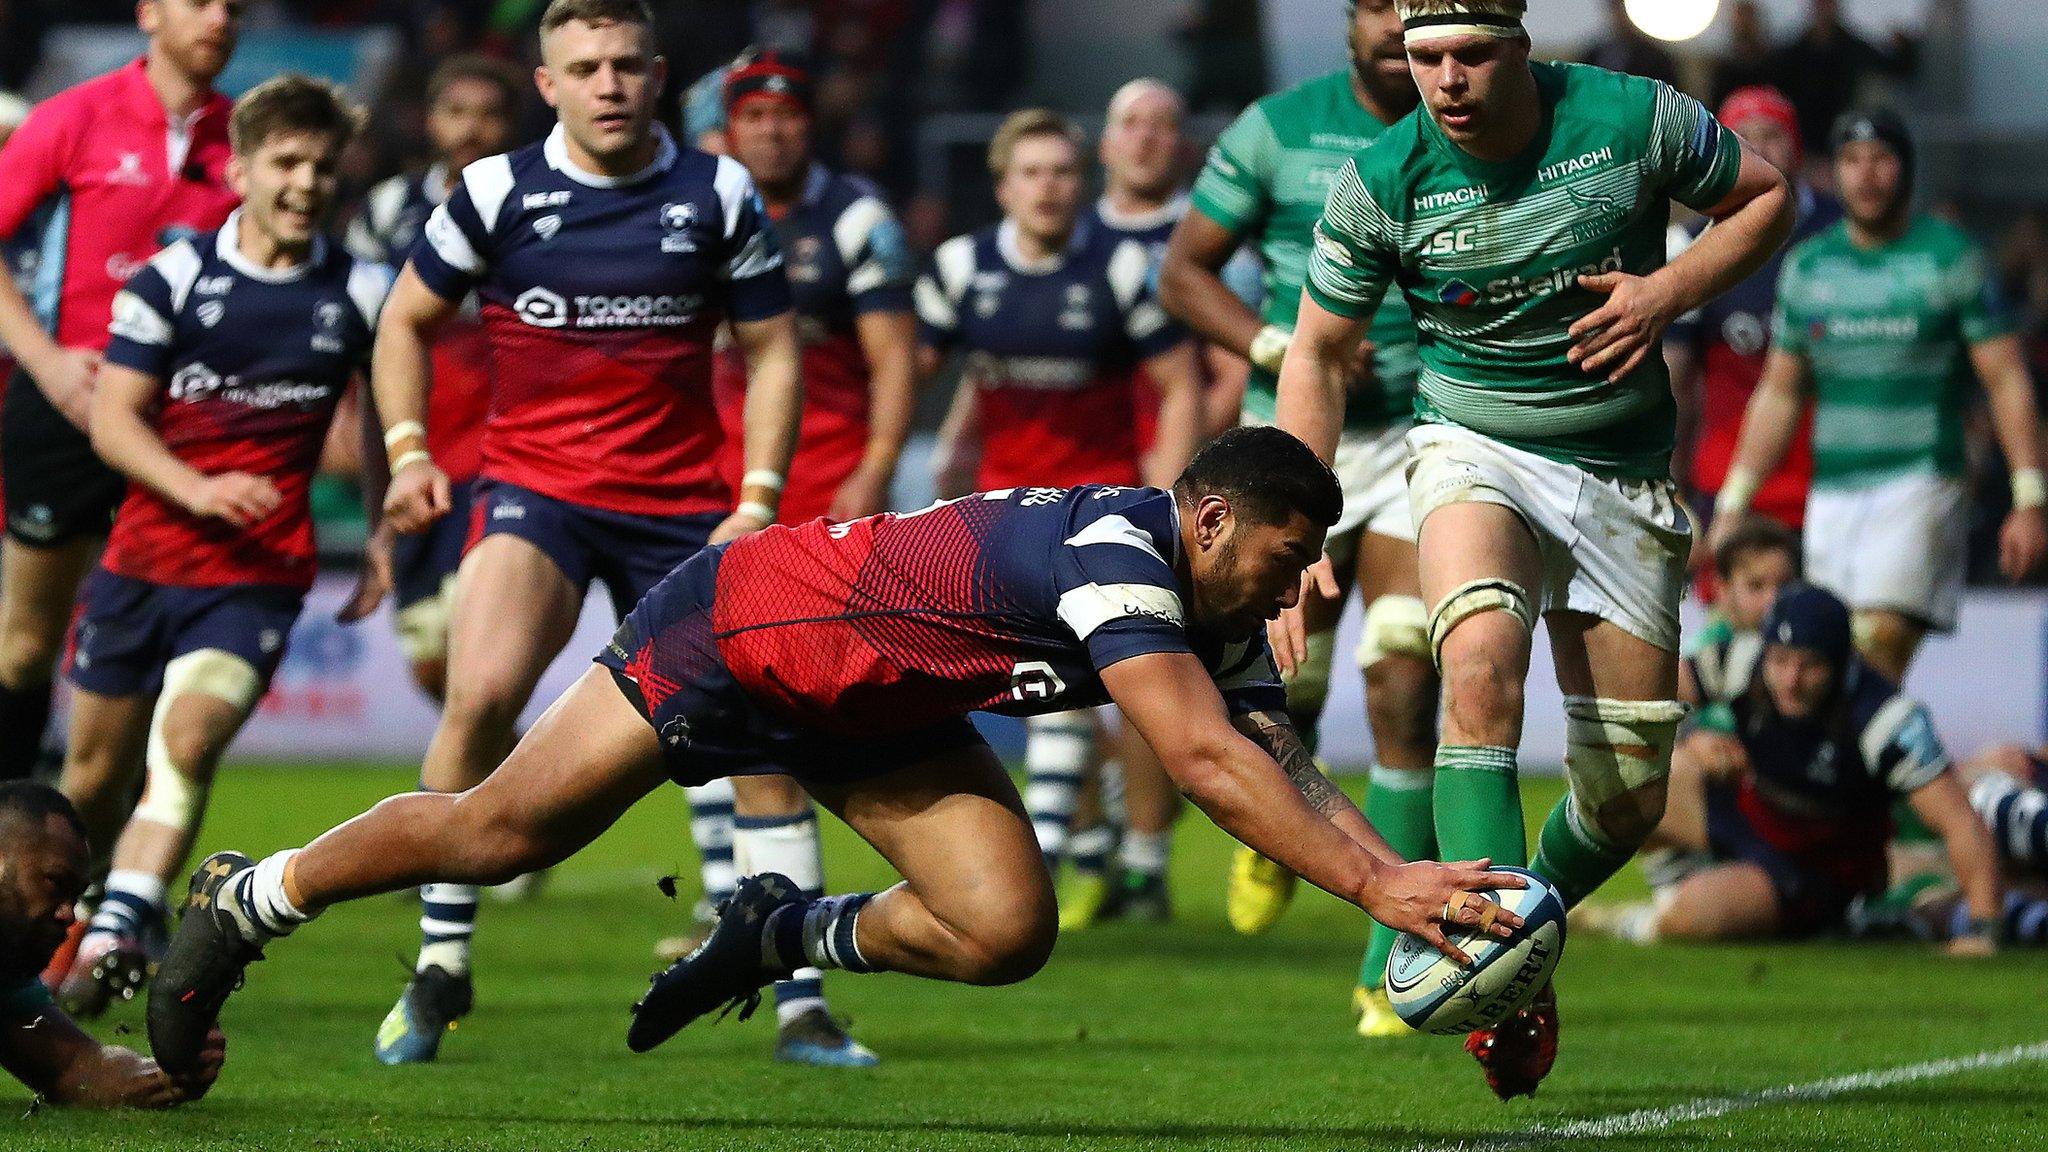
(1432, 993)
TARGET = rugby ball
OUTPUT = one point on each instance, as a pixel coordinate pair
(1434, 994)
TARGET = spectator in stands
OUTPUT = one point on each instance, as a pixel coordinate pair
(1823, 68)
(1747, 61)
(1625, 48)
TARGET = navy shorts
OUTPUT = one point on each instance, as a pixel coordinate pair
(129, 629)
(625, 552)
(1813, 891)
(421, 564)
(665, 658)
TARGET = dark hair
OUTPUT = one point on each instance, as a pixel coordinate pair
(1755, 534)
(561, 12)
(36, 802)
(1265, 472)
(290, 103)
(477, 66)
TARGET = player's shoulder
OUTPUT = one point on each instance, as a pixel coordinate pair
(1135, 517)
(1827, 242)
(179, 264)
(488, 183)
(1399, 156)
(1948, 241)
(367, 282)
(1305, 103)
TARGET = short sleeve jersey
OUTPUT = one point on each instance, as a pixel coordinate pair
(600, 298)
(252, 361)
(1886, 333)
(1053, 346)
(846, 255)
(1489, 255)
(385, 231)
(1266, 179)
(98, 180)
(1011, 601)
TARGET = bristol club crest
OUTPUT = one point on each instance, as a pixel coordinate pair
(678, 221)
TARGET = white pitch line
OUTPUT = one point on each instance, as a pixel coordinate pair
(1706, 1108)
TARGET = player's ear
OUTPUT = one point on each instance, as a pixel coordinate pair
(544, 82)
(238, 175)
(1213, 519)
(148, 17)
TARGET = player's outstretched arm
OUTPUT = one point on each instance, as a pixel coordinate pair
(2009, 388)
(1177, 709)
(1178, 374)
(1769, 423)
(401, 372)
(61, 1063)
(888, 339)
(1191, 286)
(125, 439)
(775, 401)
(1274, 732)
(1942, 804)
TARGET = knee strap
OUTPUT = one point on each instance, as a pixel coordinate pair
(1613, 747)
(172, 797)
(423, 625)
(1394, 626)
(1470, 599)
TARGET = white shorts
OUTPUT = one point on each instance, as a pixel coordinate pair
(1614, 549)
(1900, 544)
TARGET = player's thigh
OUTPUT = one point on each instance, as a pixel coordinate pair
(589, 758)
(38, 586)
(768, 796)
(1387, 566)
(514, 611)
(1734, 901)
(953, 826)
(1597, 657)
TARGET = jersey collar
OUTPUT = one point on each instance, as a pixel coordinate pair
(556, 150)
(434, 184)
(1006, 247)
(1165, 214)
(224, 246)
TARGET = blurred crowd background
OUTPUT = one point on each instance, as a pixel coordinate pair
(909, 90)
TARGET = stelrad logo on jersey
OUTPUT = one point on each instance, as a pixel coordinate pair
(543, 308)
(1514, 289)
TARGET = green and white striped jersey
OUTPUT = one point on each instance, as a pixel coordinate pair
(1488, 255)
(1266, 179)
(1886, 333)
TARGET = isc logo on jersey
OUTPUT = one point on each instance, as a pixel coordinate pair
(544, 309)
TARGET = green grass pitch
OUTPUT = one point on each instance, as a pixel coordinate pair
(1182, 1036)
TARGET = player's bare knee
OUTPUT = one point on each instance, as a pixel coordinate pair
(1483, 693)
(498, 841)
(28, 651)
(486, 707)
(1630, 818)
(1005, 954)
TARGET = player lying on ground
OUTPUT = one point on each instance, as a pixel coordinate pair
(1520, 212)
(849, 655)
(1793, 807)
(43, 866)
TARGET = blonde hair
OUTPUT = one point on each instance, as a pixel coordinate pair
(1410, 9)
(1023, 125)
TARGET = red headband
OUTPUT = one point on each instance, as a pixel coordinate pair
(767, 75)
(1761, 102)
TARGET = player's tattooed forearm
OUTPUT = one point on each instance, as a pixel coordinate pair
(1275, 733)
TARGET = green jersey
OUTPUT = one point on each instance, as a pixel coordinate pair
(1886, 333)
(1266, 179)
(1489, 254)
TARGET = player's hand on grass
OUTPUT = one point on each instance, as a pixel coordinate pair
(2021, 543)
(1413, 898)
(199, 1081)
(735, 526)
(864, 493)
(67, 380)
(373, 579)
(1288, 632)
(416, 497)
(1613, 339)
(236, 497)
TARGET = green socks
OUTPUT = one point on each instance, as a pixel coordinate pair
(1399, 804)
(1575, 858)
(1479, 805)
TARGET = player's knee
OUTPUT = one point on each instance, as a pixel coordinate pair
(183, 749)
(486, 704)
(1492, 604)
(28, 650)
(499, 842)
(1007, 953)
(1483, 689)
(1618, 759)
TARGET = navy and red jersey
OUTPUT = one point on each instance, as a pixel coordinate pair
(1731, 336)
(1010, 601)
(253, 361)
(1822, 788)
(394, 215)
(845, 255)
(600, 298)
(107, 180)
(1152, 229)
(1054, 348)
